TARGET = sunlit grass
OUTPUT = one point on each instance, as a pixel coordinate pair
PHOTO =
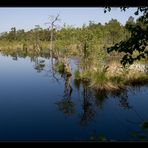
(136, 78)
(101, 82)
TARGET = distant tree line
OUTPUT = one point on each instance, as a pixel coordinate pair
(107, 34)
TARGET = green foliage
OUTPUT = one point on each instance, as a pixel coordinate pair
(115, 31)
(67, 41)
(137, 41)
(60, 67)
(93, 45)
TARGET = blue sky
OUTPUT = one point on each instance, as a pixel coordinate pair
(27, 18)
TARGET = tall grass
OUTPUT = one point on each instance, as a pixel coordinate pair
(136, 78)
(83, 76)
(101, 82)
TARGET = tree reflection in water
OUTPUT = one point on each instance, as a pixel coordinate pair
(99, 98)
(91, 100)
(39, 64)
(122, 97)
(66, 105)
(88, 110)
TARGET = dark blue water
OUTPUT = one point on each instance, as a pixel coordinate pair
(35, 104)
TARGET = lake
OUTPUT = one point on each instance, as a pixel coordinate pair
(38, 104)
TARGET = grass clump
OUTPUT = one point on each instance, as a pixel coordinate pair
(101, 82)
(82, 76)
(60, 67)
(136, 78)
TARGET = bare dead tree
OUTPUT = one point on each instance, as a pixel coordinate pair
(52, 26)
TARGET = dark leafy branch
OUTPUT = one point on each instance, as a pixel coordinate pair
(138, 40)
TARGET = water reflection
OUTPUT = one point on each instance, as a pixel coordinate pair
(66, 105)
(39, 64)
(88, 110)
(14, 58)
(100, 97)
(90, 100)
(122, 97)
(79, 102)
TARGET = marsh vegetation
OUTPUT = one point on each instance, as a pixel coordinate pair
(88, 44)
(89, 79)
